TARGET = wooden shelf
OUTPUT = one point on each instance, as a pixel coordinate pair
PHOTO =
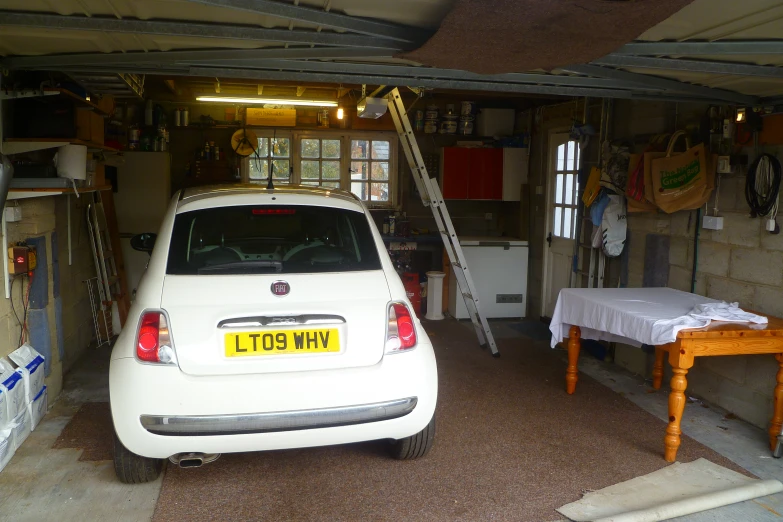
(19, 145)
(24, 193)
(81, 101)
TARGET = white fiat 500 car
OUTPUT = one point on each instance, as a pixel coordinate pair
(267, 319)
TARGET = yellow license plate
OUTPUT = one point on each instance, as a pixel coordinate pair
(319, 340)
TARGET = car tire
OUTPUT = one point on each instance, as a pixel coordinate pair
(415, 446)
(134, 469)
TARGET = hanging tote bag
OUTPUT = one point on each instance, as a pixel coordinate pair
(680, 180)
(638, 205)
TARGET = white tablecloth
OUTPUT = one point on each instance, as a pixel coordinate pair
(627, 315)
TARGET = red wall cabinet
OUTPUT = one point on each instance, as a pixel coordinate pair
(481, 173)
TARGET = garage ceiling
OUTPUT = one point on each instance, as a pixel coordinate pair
(715, 50)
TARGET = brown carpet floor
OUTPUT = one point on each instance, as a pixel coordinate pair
(510, 445)
(91, 430)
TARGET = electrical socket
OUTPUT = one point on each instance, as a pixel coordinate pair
(488, 216)
(712, 223)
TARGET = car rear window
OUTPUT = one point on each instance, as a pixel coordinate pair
(271, 239)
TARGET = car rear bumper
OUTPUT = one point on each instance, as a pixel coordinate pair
(159, 411)
(204, 425)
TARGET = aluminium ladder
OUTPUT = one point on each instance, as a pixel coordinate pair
(107, 278)
(432, 197)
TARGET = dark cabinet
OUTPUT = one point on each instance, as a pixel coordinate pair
(472, 173)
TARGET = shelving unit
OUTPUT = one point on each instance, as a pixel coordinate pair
(25, 193)
(20, 145)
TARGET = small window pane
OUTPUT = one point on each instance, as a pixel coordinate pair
(281, 147)
(360, 189)
(558, 217)
(561, 157)
(281, 169)
(568, 225)
(263, 147)
(359, 170)
(330, 148)
(259, 169)
(379, 192)
(311, 183)
(360, 149)
(578, 155)
(559, 190)
(380, 150)
(571, 158)
(331, 184)
(311, 148)
(310, 170)
(330, 170)
(569, 189)
(380, 171)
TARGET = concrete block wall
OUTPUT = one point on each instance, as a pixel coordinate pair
(66, 333)
(741, 263)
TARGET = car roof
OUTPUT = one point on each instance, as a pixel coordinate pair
(203, 195)
(250, 188)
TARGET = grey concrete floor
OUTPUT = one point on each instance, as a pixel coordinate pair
(42, 483)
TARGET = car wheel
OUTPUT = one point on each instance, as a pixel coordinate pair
(134, 469)
(415, 446)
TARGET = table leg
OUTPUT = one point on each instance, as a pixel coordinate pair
(657, 372)
(777, 416)
(574, 345)
(681, 359)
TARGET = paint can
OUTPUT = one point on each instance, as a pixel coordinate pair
(450, 111)
(185, 117)
(448, 126)
(465, 127)
(468, 108)
(430, 127)
(432, 112)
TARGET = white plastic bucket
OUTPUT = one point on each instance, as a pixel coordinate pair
(435, 296)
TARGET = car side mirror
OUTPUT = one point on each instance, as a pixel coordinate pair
(143, 242)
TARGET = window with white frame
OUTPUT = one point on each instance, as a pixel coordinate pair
(371, 169)
(566, 190)
(319, 161)
(273, 154)
(364, 163)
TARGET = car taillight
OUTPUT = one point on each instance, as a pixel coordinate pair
(401, 330)
(153, 343)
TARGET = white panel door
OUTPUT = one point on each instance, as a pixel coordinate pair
(562, 191)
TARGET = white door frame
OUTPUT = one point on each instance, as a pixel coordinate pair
(550, 163)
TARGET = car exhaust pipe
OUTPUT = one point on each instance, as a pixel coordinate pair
(193, 460)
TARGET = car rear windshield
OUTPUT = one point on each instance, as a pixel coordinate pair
(271, 239)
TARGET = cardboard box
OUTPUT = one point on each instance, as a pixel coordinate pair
(12, 389)
(271, 117)
(30, 364)
(7, 448)
(38, 408)
(21, 428)
(106, 104)
(96, 128)
(83, 124)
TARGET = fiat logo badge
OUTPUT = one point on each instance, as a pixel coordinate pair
(280, 288)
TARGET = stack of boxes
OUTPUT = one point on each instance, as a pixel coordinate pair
(23, 399)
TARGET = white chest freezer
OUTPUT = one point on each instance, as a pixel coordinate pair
(499, 269)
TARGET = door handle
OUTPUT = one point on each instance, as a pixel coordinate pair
(549, 239)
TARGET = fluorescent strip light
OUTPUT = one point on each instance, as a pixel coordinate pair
(272, 101)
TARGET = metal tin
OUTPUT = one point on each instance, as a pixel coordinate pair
(133, 138)
(432, 112)
(448, 127)
(177, 117)
(185, 117)
(430, 127)
(418, 115)
(468, 108)
(465, 127)
(418, 125)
